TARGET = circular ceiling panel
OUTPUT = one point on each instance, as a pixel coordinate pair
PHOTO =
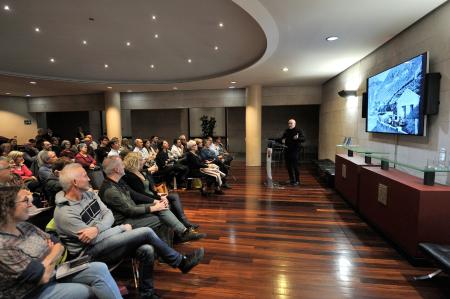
(137, 41)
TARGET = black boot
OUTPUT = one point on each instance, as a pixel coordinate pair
(191, 260)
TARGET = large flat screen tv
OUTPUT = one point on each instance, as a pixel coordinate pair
(395, 98)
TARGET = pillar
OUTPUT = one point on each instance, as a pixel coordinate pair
(253, 126)
(112, 114)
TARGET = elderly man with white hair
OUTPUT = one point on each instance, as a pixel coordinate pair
(84, 223)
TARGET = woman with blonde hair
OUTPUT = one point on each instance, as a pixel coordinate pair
(199, 169)
(142, 182)
(19, 168)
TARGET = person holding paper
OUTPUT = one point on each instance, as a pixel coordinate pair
(28, 257)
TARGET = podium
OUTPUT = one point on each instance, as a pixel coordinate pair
(269, 160)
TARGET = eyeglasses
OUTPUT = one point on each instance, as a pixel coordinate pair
(25, 200)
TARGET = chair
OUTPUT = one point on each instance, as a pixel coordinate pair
(51, 229)
(440, 254)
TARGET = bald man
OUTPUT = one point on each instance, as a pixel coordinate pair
(292, 138)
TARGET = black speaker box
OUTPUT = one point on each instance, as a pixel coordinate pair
(364, 105)
(432, 88)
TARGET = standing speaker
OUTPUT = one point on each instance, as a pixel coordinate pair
(364, 105)
(432, 88)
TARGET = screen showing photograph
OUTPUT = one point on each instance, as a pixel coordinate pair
(395, 98)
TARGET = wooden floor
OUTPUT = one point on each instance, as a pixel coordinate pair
(300, 242)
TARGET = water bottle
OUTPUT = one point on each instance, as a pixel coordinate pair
(442, 157)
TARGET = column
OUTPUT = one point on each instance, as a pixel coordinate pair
(253, 126)
(112, 113)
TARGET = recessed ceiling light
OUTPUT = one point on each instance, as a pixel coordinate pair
(129, 90)
(109, 87)
(233, 82)
(28, 95)
(232, 87)
(189, 60)
(128, 44)
(32, 82)
(7, 93)
(285, 69)
(153, 17)
(175, 88)
(85, 42)
(156, 35)
(37, 29)
(332, 38)
(216, 48)
(6, 7)
(106, 66)
(52, 60)
(220, 24)
(152, 66)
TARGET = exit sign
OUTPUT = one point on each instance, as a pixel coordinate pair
(27, 121)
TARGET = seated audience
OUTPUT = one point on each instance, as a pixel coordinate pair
(42, 135)
(28, 257)
(76, 143)
(52, 185)
(46, 146)
(115, 147)
(220, 150)
(91, 142)
(177, 149)
(66, 150)
(116, 194)
(45, 170)
(55, 146)
(183, 142)
(13, 142)
(83, 158)
(125, 145)
(102, 150)
(139, 147)
(84, 223)
(5, 148)
(168, 168)
(20, 168)
(151, 151)
(140, 181)
(208, 154)
(197, 168)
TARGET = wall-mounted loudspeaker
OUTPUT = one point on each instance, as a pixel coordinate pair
(364, 105)
(432, 88)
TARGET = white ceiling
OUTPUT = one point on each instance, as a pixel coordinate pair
(257, 40)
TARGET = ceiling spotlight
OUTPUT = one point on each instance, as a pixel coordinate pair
(28, 95)
(6, 7)
(232, 87)
(233, 82)
(152, 66)
(84, 42)
(52, 60)
(216, 48)
(37, 29)
(33, 82)
(109, 87)
(129, 90)
(175, 88)
(285, 69)
(189, 60)
(106, 66)
(220, 24)
(153, 17)
(7, 93)
(332, 38)
(347, 93)
(156, 35)
(128, 44)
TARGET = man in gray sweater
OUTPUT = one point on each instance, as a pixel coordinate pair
(84, 224)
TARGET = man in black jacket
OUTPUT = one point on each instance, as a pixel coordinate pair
(292, 138)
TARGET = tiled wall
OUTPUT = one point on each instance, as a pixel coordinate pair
(339, 117)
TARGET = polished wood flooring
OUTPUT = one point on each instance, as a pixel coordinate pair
(299, 242)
